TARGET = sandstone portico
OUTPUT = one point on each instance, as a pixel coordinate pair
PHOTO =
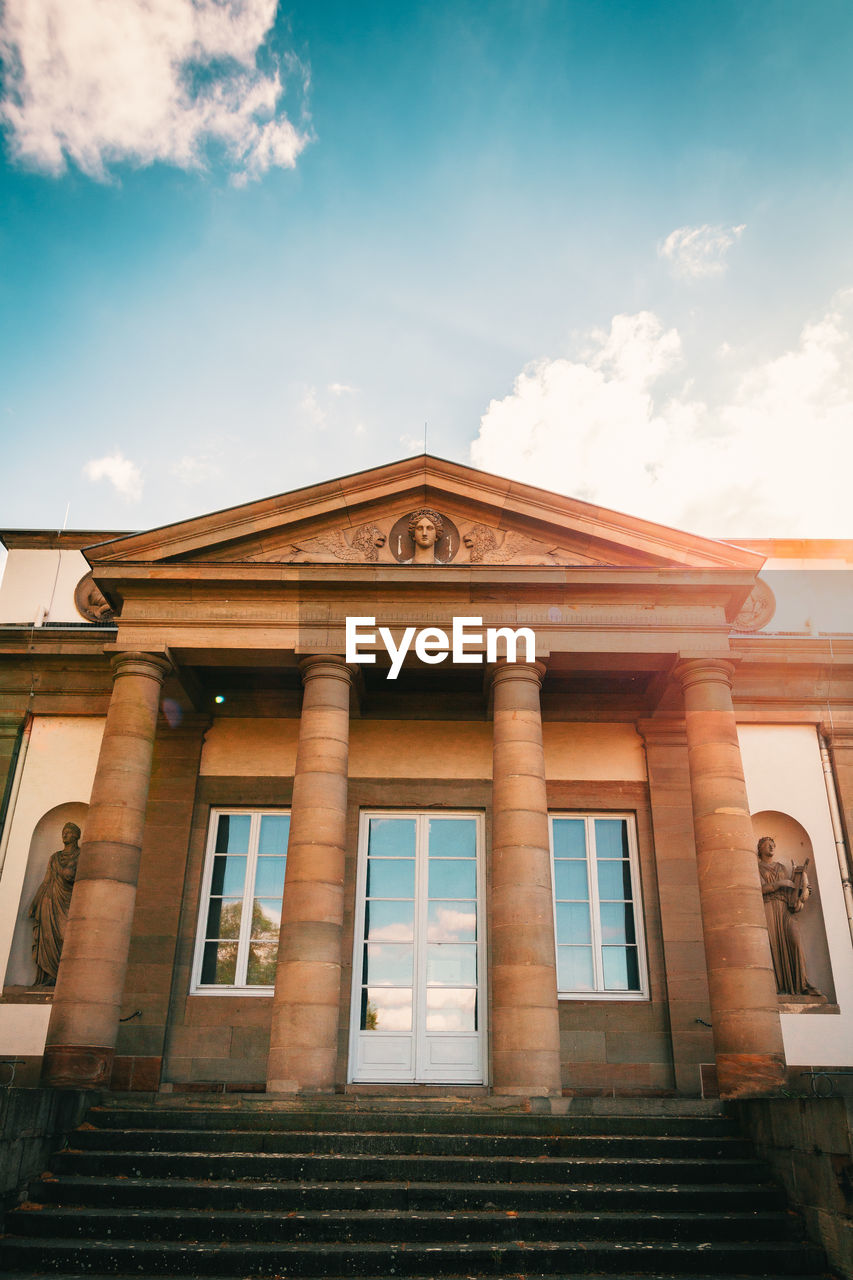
(524, 864)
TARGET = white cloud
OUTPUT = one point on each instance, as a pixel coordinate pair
(313, 410)
(195, 470)
(101, 81)
(772, 458)
(341, 389)
(123, 475)
(697, 252)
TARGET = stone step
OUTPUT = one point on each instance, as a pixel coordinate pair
(402, 1227)
(257, 1197)
(562, 1275)
(236, 1119)
(365, 1167)
(620, 1146)
(503, 1258)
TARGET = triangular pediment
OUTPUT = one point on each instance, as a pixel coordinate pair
(482, 520)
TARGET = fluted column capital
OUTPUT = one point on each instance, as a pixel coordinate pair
(331, 666)
(132, 662)
(693, 671)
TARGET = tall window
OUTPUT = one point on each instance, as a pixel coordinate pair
(597, 913)
(240, 917)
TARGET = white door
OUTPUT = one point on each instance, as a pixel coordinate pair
(418, 999)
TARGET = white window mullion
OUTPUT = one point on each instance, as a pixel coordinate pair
(594, 904)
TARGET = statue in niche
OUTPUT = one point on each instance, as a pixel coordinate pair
(49, 909)
(364, 546)
(485, 547)
(785, 895)
(91, 603)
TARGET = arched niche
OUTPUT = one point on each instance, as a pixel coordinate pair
(793, 846)
(46, 839)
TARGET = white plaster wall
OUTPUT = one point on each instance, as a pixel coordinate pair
(36, 579)
(59, 770)
(783, 772)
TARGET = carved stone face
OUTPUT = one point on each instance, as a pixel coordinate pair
(70, 833)
(766, 845)
(425, 533)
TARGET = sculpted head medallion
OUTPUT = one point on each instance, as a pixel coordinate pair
(424, 536)
(91, 603)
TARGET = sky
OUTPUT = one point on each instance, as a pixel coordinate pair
(601, 246)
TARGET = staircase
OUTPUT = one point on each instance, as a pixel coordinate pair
(357, 1188)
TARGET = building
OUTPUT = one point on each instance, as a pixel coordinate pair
(531, 871)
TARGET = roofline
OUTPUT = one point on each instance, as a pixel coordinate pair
(57, 539)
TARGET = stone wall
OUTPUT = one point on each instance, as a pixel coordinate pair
(34, 1124)
(808, 1143)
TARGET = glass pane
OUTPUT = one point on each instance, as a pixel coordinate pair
(391, 878)
(219, 964)
(570, 880)
(448, 879)
(449, 1010)
(389, 921)
(261, 968)
(387, 963)
(452, 922)
(275, 828)
(266, 918)
(574, 968)
(232, 833)
(386, 1009)
(223, 918)
(621, 969)
(573, 922)
(617, 922)
(229, 875)
(611, 838)
(569, 838)
(451, 966)
(269, 877)
(392, 838)
(452, 838)
(614, 880)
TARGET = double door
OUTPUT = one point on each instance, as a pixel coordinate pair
(418, 999)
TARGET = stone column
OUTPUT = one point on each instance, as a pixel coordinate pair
(84, 1019)
(744, 1008)
(525, 1016)
(304, 1030)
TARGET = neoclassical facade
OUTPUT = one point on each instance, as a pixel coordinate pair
(329, 844)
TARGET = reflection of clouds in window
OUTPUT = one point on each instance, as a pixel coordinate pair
(451, 924)
(388, 1009)
(451, 1010)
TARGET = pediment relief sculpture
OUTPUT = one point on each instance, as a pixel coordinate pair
(422, 536)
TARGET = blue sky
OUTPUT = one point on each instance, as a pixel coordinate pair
(603, 247)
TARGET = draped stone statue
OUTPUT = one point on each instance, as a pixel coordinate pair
(49, 909)
(785, 894)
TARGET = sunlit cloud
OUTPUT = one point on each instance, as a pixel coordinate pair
(697, 252)
(98, 82)
(621, 425)
(124, 475)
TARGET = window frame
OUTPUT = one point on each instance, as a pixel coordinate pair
(197, 988)
(589, 817)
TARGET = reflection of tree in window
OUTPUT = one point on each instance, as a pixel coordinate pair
(371, 1017)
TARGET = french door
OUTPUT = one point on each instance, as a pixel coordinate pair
(418, 997)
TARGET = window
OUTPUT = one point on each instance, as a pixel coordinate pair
(597, 915)
(240, 917)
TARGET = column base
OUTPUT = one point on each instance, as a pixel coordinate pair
(751, 1075)
(77, 1067)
